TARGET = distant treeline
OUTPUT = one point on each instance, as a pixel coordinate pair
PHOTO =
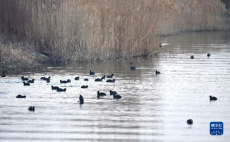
(87, 30)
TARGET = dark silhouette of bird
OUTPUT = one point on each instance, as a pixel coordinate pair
(31, 81)
(84, 86)
(132, 68)
(77, 78)
(63, 81)
(54, 87)
(24, 78)
(160, 45)
(190, 121)
(157, 72)
(113, 80)
(192, 57)
(212, 98)
(61, 90)
(86, 79)
(68, 80)
(81, 99)
(115, 96)
(110, 76)
(99, 79)
(26, 84)
(31, 108)
(99, 94)
(45, 78)
(208, 55)
(20, 96)
(48, 80)
(112, 92)
(91, 73)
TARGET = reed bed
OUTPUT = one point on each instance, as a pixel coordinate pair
(89, 30)
(18, 56)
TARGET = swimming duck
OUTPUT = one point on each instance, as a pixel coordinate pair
(63, 81)
(212, 98)
(31, 81)
(42, 78)
(190, 121)
(132, 68)
(31, 108)
(98, 79)
(54, 87)
(110, 80)
(99, 94)
(208, 55)
(48, 80)
(115, 96)
(45, 78)
(81, 99)
(86, 79)
(112, 92)
(77, 78)
(3, 75)
(68, 80)
(84, 86)
(26, 84)
(157, 72)
(20, 96)
(192, 57)
(91, 73)
(24, 78)
(110, 76)
(61, 90)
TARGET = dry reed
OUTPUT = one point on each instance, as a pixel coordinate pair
(86, 30)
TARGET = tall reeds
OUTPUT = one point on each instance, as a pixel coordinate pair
(86, 30)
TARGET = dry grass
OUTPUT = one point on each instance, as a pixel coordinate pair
(17, 56)
(194, 15)
(86, 30)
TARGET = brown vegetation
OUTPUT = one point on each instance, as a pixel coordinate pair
(194, 15)
(18, 55)
(86, 30)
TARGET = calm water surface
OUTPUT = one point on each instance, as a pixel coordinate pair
(152, 108)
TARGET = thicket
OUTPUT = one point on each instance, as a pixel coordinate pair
(89, 30)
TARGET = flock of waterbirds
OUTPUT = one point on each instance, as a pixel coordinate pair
(27, 82)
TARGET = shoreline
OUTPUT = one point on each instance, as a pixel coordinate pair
(36, 60)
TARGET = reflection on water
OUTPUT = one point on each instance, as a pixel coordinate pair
(152, 108)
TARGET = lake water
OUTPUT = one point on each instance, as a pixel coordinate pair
(152, 108)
